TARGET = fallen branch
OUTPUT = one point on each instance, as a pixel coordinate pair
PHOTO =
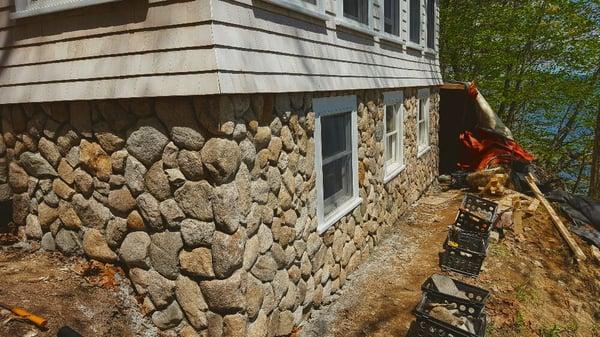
(562, 229)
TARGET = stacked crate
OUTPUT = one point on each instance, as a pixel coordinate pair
(467, 243)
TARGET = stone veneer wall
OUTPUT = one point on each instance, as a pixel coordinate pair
(208, 202)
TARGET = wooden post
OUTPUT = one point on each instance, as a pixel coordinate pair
(562, 229)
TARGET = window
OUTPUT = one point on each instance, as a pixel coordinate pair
(423, 122)
(431, 24)
(394, 134)
(336, 158)
(415, 21)
(312, 8)
(357, 10)
(25, 8)
(391, 17)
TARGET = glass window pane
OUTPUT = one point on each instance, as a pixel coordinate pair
(431, 24)
(337, 183)
(390, 118)
(415, 21)
(357, 10)
(391, 148)
(392, 17)
(421, 110)
(335, 134)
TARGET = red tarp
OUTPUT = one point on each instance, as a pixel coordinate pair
(483, 149)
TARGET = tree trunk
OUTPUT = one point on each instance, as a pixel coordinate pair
(595, 174)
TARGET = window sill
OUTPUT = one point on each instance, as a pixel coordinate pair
(342, 211)
(430, 51)
(414, 46)
(315, 13)
(393, 172)
(423, 151)
(355, 26)
(393, 39)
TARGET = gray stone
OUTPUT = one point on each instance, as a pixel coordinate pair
(254, 296)
(168, 318)
(164, 253)
(248, 152)
(67, 242)
(176, 178)
(121, 201)
(265, 268)
(160, 289)
(226, 208)
(36, 165)
(147, 140)
(169, 156)
(227, 252)
(178, 115)
(280, 284)
(157, 182)
(197, 233)
(134, 175)
(239, 132)
(224, 295)
(95, 246)
(33, 229)
(198, 262)
(379, 131)
(134, 249)
(172, 214)
(150, 211)
(91, 212)
(84, 183)
(221, 158)
(260, 191)
(190, 164)
(117, 160)
(48, 243)
(192, 302)
(72, 156)
(116, 229)
(194, 198)
(17, 178)
(49, 151)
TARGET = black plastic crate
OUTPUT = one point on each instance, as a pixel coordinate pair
(466, 240)
(470, 222)
(480, 207)
(427, 326)
(462, 261)
(477, 297)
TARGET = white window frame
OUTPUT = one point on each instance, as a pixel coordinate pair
(26, 8)
(394, 98)
(423, 101)
(435, 22)
(328, 106)
(303, 7)
(409, 42)
(365, 28)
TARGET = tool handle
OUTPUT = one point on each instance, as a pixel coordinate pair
(35, 319)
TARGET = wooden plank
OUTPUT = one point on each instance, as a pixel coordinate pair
(453, 86)
(562, 229)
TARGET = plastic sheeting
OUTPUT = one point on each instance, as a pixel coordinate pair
(583, 212)
(482, 149)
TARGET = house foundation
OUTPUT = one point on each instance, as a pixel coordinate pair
(208, 202)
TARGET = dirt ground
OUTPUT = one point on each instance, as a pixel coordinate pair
(536, 289)
(66, 291)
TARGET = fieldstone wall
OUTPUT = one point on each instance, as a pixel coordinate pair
(208, 202)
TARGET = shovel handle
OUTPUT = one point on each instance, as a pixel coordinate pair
(35, 319)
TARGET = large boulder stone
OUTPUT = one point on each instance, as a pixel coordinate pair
(194, 198)
(225, 295)
(67, 242)
(91, 212)
(222, 158)
(197, 233)
(157, 182)
(150, 211)
(192, 302)
(178, 115)
(226, 207)
(197, 262)
(168, 318)
(164, 253)
(134, 249)
(36, 165)
(95, 246)
(190, 164)
(147, 140)
(134, 175)
(121, 201)
(95, 159)
(227, 252)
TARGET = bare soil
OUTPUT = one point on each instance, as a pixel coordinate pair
(536, 288)
(66, 292)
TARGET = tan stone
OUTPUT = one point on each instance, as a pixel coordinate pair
(95, 158)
